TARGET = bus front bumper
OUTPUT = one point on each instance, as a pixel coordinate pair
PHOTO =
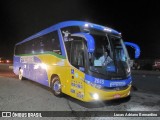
(94, 94)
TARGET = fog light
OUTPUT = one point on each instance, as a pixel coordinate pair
(129, 93)
(95, 96)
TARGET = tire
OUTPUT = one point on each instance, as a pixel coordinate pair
(56, 86)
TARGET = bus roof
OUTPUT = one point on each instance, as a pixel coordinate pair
(67, 24)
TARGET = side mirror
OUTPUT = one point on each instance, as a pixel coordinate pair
(90, 40)
(135, 46)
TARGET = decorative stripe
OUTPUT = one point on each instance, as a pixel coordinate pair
(48, 52)
(107, 83)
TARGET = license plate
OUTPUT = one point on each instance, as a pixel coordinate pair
(117, 96)
(117, 84)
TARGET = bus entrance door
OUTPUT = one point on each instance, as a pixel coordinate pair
(77, 68)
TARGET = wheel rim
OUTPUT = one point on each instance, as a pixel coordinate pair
(57, 87)
(20, 75)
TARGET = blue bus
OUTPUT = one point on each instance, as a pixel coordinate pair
(83, 60)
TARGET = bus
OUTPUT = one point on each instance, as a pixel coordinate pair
(86, 61)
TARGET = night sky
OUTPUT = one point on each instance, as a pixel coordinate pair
(138, 21)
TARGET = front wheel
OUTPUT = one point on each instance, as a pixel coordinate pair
(56, 86)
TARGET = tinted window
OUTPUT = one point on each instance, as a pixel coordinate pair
(77, 53)
(69, 30)
(46, 43)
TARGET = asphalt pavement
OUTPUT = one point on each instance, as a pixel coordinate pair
(147, 81)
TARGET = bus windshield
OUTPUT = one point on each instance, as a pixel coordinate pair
(110, 56)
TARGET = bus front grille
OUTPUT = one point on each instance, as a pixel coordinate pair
(115, 88)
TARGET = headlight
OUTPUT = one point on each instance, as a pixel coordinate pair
(95, 96)
(129, 93)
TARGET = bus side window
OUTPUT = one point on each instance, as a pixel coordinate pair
(51, 43)
(56, 43)
(17, 50)
(47, 42)
(20, 49)
(26, 47)
(69, 30)
(32, 44)
(68, 49)
(39, 46)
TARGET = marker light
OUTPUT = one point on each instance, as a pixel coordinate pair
(86, 25)
(107, 29)
(129, 93)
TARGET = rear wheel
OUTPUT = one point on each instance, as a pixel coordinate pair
(56, 86)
